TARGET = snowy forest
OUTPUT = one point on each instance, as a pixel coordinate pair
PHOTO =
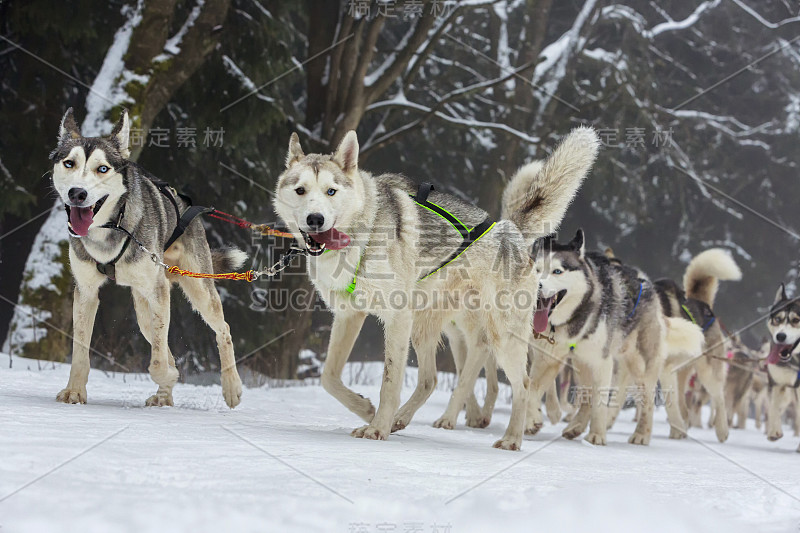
(697, 105)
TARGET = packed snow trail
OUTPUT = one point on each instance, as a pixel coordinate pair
(283, 461)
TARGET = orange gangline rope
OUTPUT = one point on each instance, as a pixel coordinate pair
(249, 276)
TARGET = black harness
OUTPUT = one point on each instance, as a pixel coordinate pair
(469, 236)
(183, 221)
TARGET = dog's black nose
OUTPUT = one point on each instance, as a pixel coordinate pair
(77, 195)
(315, 221)
(780, 337)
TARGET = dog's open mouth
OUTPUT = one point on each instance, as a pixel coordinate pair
(80, 218)
(779, 353)
(545, 306)
(333, 239)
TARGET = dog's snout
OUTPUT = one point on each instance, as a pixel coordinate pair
(315, 221)
(77, 195)
(780, 337)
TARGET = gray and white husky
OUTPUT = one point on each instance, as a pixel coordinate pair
(783, 361)
(100, 188)
(375, 248)
(597, 313)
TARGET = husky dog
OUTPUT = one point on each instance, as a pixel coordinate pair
(103, 190)
(597, 312)
(739, 387)
(701, 282)
(783, 361)
(396, 251)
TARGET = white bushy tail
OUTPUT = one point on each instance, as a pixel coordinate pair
(706, 270)
(684, 338)
(537, 197)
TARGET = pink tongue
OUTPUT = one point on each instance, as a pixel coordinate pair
(81, 218)
(774, 356)
(333, 239)
(540, 317)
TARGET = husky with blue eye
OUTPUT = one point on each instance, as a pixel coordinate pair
(385, 246)
(110, 203)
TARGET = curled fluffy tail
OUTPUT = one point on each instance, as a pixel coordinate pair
(538, 195)
(684, 338)
(705, 271)
(227, 259)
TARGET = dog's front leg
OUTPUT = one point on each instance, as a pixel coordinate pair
(545, 366)
(398, 336)
(602, 377)
(778, 398)
(84, 308)
(344, 332)
(161, 369)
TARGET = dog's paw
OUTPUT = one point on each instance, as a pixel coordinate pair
(596, 438)
(479, 421)
(445, 423)
(159, 399)
(400, 423)
(722, 435)
(231, 387)
(164, 376)
(508, 444)
(774, 435)
(639, 439)
(677, 433)
(69, 395)
(368, 432)
(533, 429)
(571, 432)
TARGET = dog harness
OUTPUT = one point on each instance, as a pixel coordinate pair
(183, 221)
(638, 298)
(689, 314)
(469, 236)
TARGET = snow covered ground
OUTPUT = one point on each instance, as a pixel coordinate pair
(284, 461)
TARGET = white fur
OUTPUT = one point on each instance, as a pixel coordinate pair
(683, 337)
(554, 182)
(706, 270)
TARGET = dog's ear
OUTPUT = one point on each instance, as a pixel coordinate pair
(295, 153)
(122, 134)
(780, 295)
(579, 243)
(537, 247)
(69, 128)
(346, 155)
(543, 245)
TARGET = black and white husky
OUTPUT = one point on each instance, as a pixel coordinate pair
(596, 313)
(103, 193)
(783, 361)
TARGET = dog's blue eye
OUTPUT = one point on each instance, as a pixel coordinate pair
(557, 271)
(331, 192)
(300, 190)
(102, 169)
(69, 164)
